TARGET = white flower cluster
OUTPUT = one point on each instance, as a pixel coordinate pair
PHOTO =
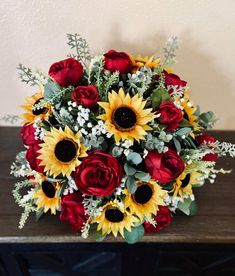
(125, 146)
(82, 118)
(39, 131)
(120, 188)
(71, 186)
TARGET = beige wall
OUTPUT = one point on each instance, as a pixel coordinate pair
(33, 32)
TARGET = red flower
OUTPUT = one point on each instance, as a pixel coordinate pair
(66, 72)
(205, 139)
(164, 167)
(172, 79)
(86, 95)
(72, 210)
(163, 218)
(27, 134)
(170, 115)
(117, 61)
(32, 157)
(99, 174)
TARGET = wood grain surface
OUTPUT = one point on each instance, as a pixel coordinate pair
(214, 223)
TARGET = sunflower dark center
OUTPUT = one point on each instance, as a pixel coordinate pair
(124, 117)
(143, 194)
(66, 150)
(114, 215)
(48, 189)
(185, 181)
(37, 110)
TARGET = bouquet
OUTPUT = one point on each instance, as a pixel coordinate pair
(113, 143)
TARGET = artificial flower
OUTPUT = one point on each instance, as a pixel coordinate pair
(66, 72)
(117, 61)
(87, 96)
(125, 116)
(60, 151)
(99, 174)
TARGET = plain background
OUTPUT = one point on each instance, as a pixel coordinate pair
(33, 32)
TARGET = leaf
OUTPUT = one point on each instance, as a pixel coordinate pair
(39, 214)
(50, 90)
(129, 170)
(184, 123)
(143, 176)
(135, 235)
(177, 145)
(158, 96)
(130, 184)
(188, 207)
(183, 131)
(134, 158)
(94, 234)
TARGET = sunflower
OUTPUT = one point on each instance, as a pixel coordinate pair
(140, 61)
(46, 196)
(114, 218)
(189, 111)
(60, 151)
(185, 182)
(35, 107)
(145, 200)
(125, 116)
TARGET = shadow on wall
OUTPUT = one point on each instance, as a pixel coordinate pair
(210, 87)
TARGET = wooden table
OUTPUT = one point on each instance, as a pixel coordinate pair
(214, 223)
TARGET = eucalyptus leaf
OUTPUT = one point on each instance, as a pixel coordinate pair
(135, 235)
(183, 131)
(188, 206)
(129, 170)
(130, 184)
(134, 158)
(177, 145)
(143, 176)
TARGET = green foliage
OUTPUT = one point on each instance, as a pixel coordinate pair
(131, 184)
(27, 76)
(129, 170)
(75, 41)
(169, 51)
(188, 206)
(135, 235)
(207, 119)
(142, 176)
(94, 234)
(158, 96)
(134, 158)
(10, 118)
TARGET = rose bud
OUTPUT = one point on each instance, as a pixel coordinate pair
(87, 96)
(66, 72)
(117, 61)
(99, 174)
(170, 115)
(163, 218)
(164, 167)
(72, 210)
(205, 139)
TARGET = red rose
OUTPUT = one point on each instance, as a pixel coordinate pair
(205, 139)
(117, 61)
(31, 156)
(66, 72)
(172, 79)
(164, 167)
(170, 115)
(27, 134)
(86, 95)
(99, 174)
(163, 218)
(72, 210)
